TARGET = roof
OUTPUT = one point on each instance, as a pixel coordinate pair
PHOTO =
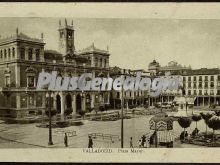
(21, 36)
(202, 71)
(93, 49)
(52, 55)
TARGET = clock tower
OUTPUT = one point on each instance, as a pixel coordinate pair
(66, 38)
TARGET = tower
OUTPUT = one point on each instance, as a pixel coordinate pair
(66, 38)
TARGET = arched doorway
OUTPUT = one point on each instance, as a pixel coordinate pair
(58, 100)
(68, 101)
(78, 103)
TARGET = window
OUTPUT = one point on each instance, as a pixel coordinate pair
(218, 84)
(189, 84)
(30, 81)
(194, 78)
(69, 34)
(200, 78)
(13, 52)
(101, 62)
(206, 84)
(212, 78)
(218, 92)
(5, 53)
(211, 92)
(7, 81)
(9, 53)
(184, 78)
(30, 54)
(200, 92)
(22, 53)
(200, 84)
(205, 92)
(212, 84)
(194, 84)
(38, 55)
(96, 62)
(195, 92)
(105, 63)
(189, 78)
(1, 54)
(61, 34)
(206, 78)
(189, 92)
(218, 77)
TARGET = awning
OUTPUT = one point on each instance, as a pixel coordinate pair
(166, 136)
(183, 100)
(163, 136)
(149, 134)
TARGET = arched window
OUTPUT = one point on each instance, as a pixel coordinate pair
(13, 52)
(5, 53)
(38, 55)
(22, 53)
(30, 54)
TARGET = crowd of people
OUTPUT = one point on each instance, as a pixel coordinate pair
(142, 143)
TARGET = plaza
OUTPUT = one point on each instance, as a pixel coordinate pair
(28, 135)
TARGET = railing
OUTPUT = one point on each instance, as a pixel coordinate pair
(104, 136)
(69, 133)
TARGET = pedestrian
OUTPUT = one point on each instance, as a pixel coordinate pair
(66, 140)
(131, 143)
(90, 142)
(139, 143)
(143, 140)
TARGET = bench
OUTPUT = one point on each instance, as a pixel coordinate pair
(69, 133)
(104, 136)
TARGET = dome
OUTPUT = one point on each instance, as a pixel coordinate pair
(153, 64)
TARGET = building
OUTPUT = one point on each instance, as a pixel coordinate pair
(203, 83)
(22, 58)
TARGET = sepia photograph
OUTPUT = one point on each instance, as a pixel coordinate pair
(100, 84)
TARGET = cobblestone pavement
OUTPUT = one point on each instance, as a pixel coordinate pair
(28, 135)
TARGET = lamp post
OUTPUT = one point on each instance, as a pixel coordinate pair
(48, 96)
(122, 122)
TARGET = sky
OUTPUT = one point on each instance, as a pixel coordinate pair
(133, 43)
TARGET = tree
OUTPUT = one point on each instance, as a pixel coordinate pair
(214, 123)
(184, 122)
(206, 118)
(217, 112)
(196, 118)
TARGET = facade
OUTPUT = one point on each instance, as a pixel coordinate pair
(204, 83)
(22, 59)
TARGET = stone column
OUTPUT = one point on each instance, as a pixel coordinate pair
(18, 101)
(92, 100)
(62, 106)
(83, 102)
(74, 104)
(17, 75)
(209, 102)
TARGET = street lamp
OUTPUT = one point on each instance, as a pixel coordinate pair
(122, 122)
(48, 96)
